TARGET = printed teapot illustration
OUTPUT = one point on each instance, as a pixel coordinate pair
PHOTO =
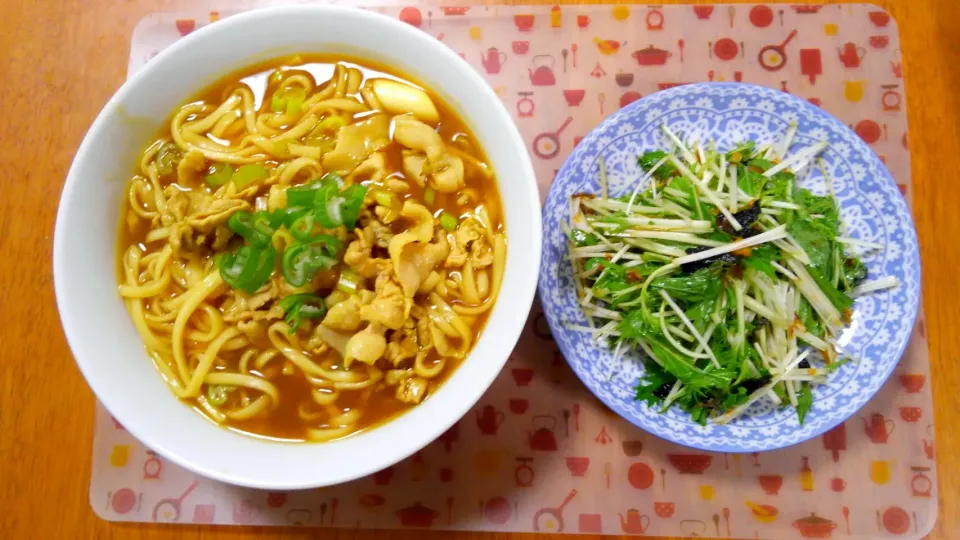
(493, 60)
(542, 72)
(489, 420)
(878, 428)
(542, 438)
(634, 522)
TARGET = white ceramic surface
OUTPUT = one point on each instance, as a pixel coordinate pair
(101, 335)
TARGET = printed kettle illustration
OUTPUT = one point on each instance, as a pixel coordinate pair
(851, 54)
(489, 420)
(493, 60)
(878, 428)
(542, 438)
(634, 522)
(542, 72)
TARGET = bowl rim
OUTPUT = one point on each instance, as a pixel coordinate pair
(777, 443)
(506, 337)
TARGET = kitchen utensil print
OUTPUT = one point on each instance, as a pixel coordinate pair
(206, 513)
(449, 437)
(152, 466)
(634, 522)
(911, 414)
(878, 428)
(774, 57)
(168, 510)
(119, 455)
(524, 474)
(556, 17)
(412, 16)
(726, 49)
(761, 16)
(541, 74)
(835, 440)
(693, 527)
(496, 510)
(651, 56)
(547, 144)
(492, 61)
(762, 513)
(770, 483)
(920, 485)
(574, 96)
(276, 499)
(895, 520)
(606, 47)
(838, 484)
(489, 420)
(551, 519)
(525, 108)
(879, 42)
(703, 12)
(851, 54)
(664, 509)
(524, 22)
(578, 465)
(814, 526)
(417, 515)
(912, 382)
(880, 19)
(880, 471)
(654, 19)
(590, 524)
(811, 64)
(640, 475)
(891, 98)
(124, 500)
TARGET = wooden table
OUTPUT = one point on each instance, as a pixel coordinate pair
(64, 58)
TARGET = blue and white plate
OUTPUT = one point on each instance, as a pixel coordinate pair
(871, 207)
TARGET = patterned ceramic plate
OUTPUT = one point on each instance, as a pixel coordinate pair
(872, 209)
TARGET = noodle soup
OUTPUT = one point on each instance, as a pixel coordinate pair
(311, 248)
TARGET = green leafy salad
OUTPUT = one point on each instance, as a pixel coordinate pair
(733, 280)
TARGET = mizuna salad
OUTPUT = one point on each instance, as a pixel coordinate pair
(732, 279)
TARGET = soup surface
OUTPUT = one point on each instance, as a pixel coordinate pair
(311, 247)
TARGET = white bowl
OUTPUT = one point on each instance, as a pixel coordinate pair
(108, 349)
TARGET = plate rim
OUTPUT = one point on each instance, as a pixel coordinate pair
(774, 443)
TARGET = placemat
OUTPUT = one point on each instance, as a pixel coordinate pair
(538, 453)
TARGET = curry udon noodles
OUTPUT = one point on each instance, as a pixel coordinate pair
(311, 248)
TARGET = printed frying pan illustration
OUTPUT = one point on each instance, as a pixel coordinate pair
(774, 57)
(547, 144)
(171, 513)
(550, 517)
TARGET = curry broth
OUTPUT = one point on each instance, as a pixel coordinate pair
(377, 402)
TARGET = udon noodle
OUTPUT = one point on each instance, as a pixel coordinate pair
(305, 259)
